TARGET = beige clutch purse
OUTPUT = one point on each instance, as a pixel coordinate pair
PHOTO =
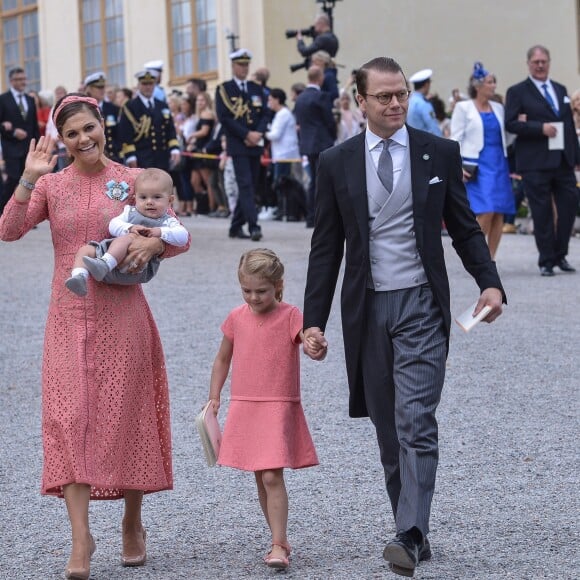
(210, 433)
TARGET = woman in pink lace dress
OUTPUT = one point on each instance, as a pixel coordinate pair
(105, 406)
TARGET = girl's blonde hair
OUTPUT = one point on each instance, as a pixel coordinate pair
(265, 264)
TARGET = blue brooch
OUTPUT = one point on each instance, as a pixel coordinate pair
(119, 191)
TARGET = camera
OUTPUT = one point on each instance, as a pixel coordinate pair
(299, 65)
(290, 33)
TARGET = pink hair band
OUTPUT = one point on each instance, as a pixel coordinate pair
(74, 99)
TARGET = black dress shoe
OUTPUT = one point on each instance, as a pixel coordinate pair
(402, 554)
(546, 271)
(239, 234)
(565, 266)
(256, 235)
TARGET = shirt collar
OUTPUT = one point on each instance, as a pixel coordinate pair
(540, 83)
(146, 100)
(16, 93)
(401, 137)
(313, 86)
(240, 81)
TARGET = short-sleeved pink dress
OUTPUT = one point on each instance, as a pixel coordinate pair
(105, 400)
(265, 427)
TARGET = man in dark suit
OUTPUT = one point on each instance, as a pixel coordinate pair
(538, 111)
(317, 129)
(95, 87)
(324, 38)
(242, 112)
(146, 128)
(18, 125)
(385, 192)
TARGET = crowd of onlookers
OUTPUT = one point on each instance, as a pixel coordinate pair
(204, 179)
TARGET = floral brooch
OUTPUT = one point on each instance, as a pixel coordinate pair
(119, 191)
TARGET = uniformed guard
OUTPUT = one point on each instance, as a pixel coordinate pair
(95, 88)
(241, 109)
(157, 65)
(146, 128)
(421, 114)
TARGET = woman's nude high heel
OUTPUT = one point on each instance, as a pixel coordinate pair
(138, 560)
(81, 573)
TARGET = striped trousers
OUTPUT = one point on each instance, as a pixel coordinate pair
(403, 357)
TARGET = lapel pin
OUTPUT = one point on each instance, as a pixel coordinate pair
(426, 157)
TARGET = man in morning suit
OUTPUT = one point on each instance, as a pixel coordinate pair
(317, 129)
(18, 125)
(385, 192)
(242, 112)
(534, 110)
(146, 128)
(95, 88)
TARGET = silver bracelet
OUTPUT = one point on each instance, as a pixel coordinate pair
(26, 184)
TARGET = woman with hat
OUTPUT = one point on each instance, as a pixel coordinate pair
(105, 401)
(478, 125)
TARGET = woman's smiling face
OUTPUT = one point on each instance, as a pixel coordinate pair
(84, 137)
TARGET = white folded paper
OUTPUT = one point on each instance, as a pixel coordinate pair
(557, 143)
(467, 321)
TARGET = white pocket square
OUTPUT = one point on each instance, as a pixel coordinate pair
(434, 180)
(566, 99)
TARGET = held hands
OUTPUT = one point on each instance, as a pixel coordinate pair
(145, 231)
(315, 344)
(490, 297)
(20, 134)
(253, 139)
(140, 251)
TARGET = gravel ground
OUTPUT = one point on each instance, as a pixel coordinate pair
(506, 503)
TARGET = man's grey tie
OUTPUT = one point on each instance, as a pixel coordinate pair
(243, 84)
(385, 168)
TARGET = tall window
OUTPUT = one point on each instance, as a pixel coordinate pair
(102, 38)
(192, 37)
(20, 39)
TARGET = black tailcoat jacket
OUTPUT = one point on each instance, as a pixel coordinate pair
(342, 216)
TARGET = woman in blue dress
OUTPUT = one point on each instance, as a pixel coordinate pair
(478, 125)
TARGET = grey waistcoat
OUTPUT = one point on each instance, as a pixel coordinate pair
(395, 261)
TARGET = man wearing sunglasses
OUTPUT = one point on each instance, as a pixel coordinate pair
(385, 192)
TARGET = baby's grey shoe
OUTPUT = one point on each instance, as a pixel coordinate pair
(97, 267)
(77, 284)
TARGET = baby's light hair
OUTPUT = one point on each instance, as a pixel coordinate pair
(157, 175)
(265, 264)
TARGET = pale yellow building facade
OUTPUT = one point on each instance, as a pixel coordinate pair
(75, 37)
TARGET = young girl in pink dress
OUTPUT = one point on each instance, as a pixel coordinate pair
(265, 430)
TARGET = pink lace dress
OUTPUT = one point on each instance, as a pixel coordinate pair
(105, 403)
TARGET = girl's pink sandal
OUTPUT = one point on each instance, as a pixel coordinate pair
(275, 562)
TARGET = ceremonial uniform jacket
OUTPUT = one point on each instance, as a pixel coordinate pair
(241, 113)
(110, 115)
(147, 134)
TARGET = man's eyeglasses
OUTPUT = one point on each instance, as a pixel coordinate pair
(386, 98)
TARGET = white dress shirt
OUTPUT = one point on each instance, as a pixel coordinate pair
(549, 88)
(399, 144)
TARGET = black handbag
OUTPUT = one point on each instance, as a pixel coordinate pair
(470, 168)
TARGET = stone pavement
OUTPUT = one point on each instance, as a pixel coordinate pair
(506, 503)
